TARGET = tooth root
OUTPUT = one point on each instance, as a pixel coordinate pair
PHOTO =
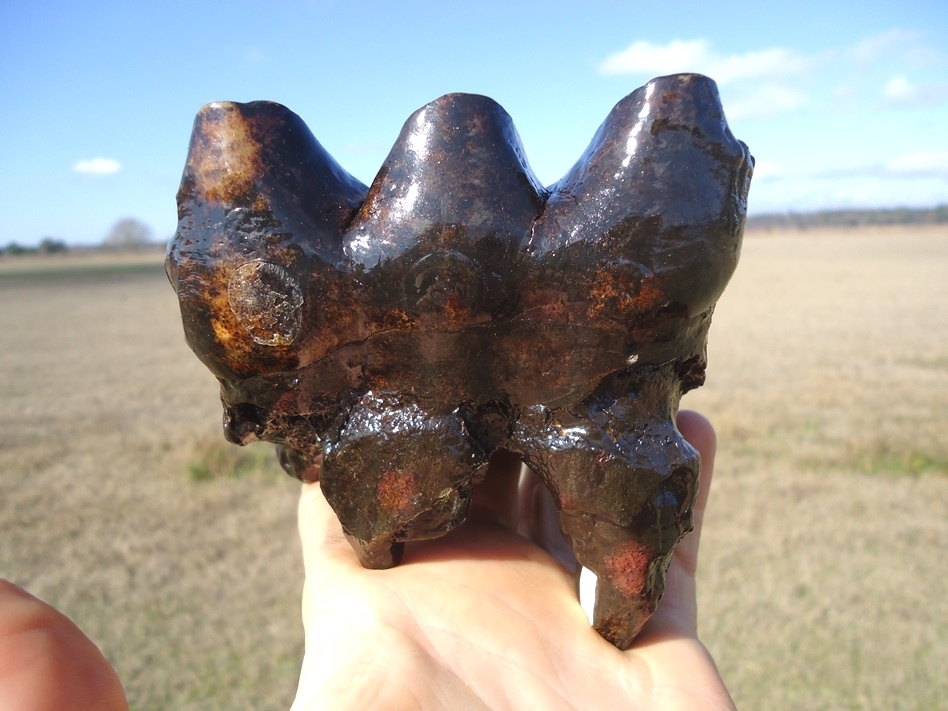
(633, 502)
(402, 473)
(298, 463)
(377, 554)
(629, 575)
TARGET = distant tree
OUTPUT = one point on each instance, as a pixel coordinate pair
(128, 234)
(51, 245)
(14, 250)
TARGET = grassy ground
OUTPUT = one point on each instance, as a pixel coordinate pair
(822, 581)
(189, 583)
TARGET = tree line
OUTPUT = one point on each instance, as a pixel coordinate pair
(849, 218)
(130, 233)
(126, 234)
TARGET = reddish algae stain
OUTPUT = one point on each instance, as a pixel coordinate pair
(628, 568)
(396, 491)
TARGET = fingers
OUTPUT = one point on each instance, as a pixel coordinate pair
(677, 614)
(695, 428)
(46, 662)
(321, 533)
(700, 434)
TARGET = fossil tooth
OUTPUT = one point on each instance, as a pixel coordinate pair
(391, 340)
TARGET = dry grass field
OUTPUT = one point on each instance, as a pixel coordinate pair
(822, 579)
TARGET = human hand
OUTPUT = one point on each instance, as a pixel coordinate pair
(487, 618)
(47, 663)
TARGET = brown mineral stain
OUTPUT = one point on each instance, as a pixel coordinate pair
(621, 295)
(650, 294)
(228, 158)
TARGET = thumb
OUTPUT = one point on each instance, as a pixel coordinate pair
(324, 543)
(677, 614)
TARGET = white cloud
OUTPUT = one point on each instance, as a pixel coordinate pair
(904, 47)
(756, 73)
(772, 62)
(773, 81)
(883, 45)
(928, 164)
(901, 92)
(764, 101)
(898, 89)
(97, 166)
(765, 169)
(934, 163)
(644, 57)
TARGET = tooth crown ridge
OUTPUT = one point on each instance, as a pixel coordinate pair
(649, 220)
(389, 339)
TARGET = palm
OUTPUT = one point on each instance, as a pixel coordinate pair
(483, 618)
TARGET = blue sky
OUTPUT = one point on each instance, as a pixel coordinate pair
(843, 104)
